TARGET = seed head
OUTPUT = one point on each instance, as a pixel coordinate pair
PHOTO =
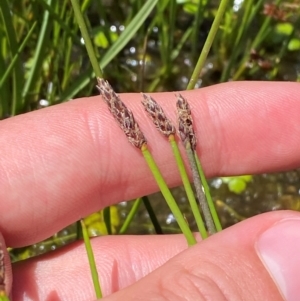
(185, 122)
(158, 116)
(121, 113)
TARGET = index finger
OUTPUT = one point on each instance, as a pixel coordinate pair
(67, 161)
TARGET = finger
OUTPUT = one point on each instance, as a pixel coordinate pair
(64, 162)
(230, 265)
(120, 262)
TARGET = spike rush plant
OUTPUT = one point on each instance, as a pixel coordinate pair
(131, 129)
(165, 126)
(3, 296)
(189, 140)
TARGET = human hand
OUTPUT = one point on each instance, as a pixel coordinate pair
(67, 161)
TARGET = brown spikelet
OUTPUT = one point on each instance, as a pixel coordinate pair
(121, 113)
(2, 272)
(158, 116)
(185, 122)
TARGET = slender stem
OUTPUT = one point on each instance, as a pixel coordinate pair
(14, 60)
(3, 296)
(210, 202)
(107, 220)
(242, 32)
(188, 188)
(11, 35)
(261, 35)
(170, 35)
(230, 210)
(86, 37)
(78, 230)
(168, 196)
(199, 192)
(91, 258)
(196, 28)
(39, 54)
(207, 45)
(130, 215)
(155, 223)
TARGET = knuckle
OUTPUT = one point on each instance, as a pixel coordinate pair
(193, 285)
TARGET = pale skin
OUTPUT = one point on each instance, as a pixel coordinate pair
(67, 161)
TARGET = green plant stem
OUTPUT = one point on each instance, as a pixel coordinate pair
(91, 258)
(69, 30)
(129, 31)
(171, 34)
(11, 36)
(188, 188)
(87, 40)
(14, 60)
(207, 45)
(153, 218)
(3, 297)
(130, 215)
(177, 50)
(238, 45)
(195, 28)
(263, 30)
(261, 35)
(210, 202)
(78, 231)
(107, 220)
(199, 192)
(84, 79)
(283, 50)
(230, 210)
(39, 54)
(168, 197)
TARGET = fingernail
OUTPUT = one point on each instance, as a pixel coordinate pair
(279, 250)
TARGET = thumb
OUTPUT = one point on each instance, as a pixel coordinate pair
(257, 259)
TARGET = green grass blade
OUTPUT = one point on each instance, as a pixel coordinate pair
(152, 216)
(124, 38)
(107, 220)
(172, 27)
(86, 37)
(130, 215)
(169, 197)
(91, 258)
(60, 21)
(129, 32)
(39, 53)
(13, 43)
(207, 45)
(195, 29)
(78, 230)
(14, 60)
(5, 90)
(176, 51)
(242, 29)
(264, 30)
(78, 84)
